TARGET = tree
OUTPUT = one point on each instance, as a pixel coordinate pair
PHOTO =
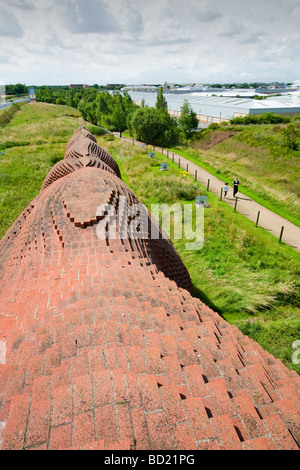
(187, 121)
(161, 102)
(154, 126)
(118, 118)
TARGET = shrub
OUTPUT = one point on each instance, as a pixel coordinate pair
(153, 126)
(9, 113)
(265, 118)
(96, 130)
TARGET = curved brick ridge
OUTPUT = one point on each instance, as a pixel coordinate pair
(78, 134)
(85, 147)
(64, 168)
(101, 350)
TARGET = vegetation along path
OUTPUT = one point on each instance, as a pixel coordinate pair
(244, 205)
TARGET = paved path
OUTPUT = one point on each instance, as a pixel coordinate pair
(245, 205)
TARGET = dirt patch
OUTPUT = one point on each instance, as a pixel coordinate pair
(214, 139)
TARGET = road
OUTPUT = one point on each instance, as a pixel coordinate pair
(9, 103)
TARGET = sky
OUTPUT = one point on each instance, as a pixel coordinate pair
(58, 42)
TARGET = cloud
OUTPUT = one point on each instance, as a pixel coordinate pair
(9, 25)
(140, 40)
(87, 17)
(205, 12)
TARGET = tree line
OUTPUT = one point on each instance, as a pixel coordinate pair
(117, 112)
(18, 89)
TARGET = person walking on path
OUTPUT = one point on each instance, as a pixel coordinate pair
(225, 190)
(235, 186)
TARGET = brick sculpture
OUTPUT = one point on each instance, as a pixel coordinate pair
(103, 346)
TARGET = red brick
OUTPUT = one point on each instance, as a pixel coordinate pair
(98, 335)
(279, 433)
(227, 436)
(41, 388)
(14, 384)
(248, 414)
(84, 429)
(61, 375)
(172, 404)
(207, 364)
(124, 422)
(140, 429)
(187, 353)
(183, 438)
(133, 392)
(96, 360)
(62, 405)
(209, 445)
(52, 359)
(220, 397)
(150, 396)
(61, 437)
(68, 348)
(174, 370)
(259, 395)
(153, 360)
(259, 443)
(290, 416)
(123, 334)
(169, 345)
(198, 419)
(103, 389)
(159, 431)
(82, 335)
(136, 359)
(195, 380)
(34, 368)
(39, 423)
(83, 394)
(15, 429)
(106, 423)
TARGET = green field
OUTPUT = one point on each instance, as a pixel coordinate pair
(242, 272)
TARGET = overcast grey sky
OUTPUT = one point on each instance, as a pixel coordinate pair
(143, 41)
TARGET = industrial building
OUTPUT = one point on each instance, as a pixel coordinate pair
(217, 109)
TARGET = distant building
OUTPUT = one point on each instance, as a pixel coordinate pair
(78, 86)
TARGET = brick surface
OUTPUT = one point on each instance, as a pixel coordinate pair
(104, 346)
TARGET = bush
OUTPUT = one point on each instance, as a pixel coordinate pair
(291, 137)
(154, 126)
(265, 118)
(8, 114)
(96, 130)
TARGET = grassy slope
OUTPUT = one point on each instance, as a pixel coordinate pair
(268, 171)
(237, 272)
(34, 141)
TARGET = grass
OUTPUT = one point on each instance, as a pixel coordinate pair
(34, 140)
(242, 272)
(268, 171)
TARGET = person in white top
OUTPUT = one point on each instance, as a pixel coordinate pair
(225, 189)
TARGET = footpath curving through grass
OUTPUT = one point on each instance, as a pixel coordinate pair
(241, 272)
